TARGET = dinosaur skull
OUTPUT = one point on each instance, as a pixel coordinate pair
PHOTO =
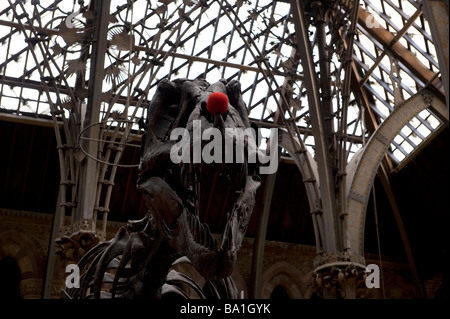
(143, 253)
(172, 190)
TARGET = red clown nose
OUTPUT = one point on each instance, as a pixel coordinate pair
(217, 102)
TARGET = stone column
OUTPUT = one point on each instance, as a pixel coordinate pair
(31, 288)
(337, 276)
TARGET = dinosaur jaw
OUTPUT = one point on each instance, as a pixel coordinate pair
(176, 208)
(143, 253)
(210, 258)
(175, 198)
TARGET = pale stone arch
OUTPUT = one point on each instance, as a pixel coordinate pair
(288, 277)
(29, 259)
(365, 165)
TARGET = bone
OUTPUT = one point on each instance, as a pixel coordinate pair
(207, 240)
(197, 230)
(202, 236)
(161, 198)
(173, 227)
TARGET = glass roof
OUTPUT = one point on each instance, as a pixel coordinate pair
(45, 47)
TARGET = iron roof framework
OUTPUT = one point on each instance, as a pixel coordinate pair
(208, 42)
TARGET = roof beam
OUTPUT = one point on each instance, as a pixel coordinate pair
(326, 179)
(89, 169)
(389, 41)
(397, 37)
(191, 58)
(437, 16)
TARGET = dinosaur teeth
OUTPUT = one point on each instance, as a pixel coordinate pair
(213, 244)
(210, 242)
(201, 233)
(195, 228)
(192, 225)
(227, 238)
(207, 236)
(225, 244)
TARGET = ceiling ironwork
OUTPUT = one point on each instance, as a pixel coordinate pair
(46, 47)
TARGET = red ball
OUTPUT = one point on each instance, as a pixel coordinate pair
(217, 102)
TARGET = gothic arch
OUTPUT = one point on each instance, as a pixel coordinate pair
(308, 169)
(29, 259)
(366, 163)
(284, 274)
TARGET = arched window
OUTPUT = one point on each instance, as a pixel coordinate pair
(10, 277)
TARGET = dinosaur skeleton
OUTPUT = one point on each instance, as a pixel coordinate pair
(136, 262)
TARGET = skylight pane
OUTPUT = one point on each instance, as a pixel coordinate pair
(203, 40)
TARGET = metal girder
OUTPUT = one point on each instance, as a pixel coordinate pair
(188, 57)
(88, 171)
(263, 219)
(397, 37)
(410, 41)
(417, 150)
(403, 54)
(326, 179)
(436, 14)
(16, 25)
